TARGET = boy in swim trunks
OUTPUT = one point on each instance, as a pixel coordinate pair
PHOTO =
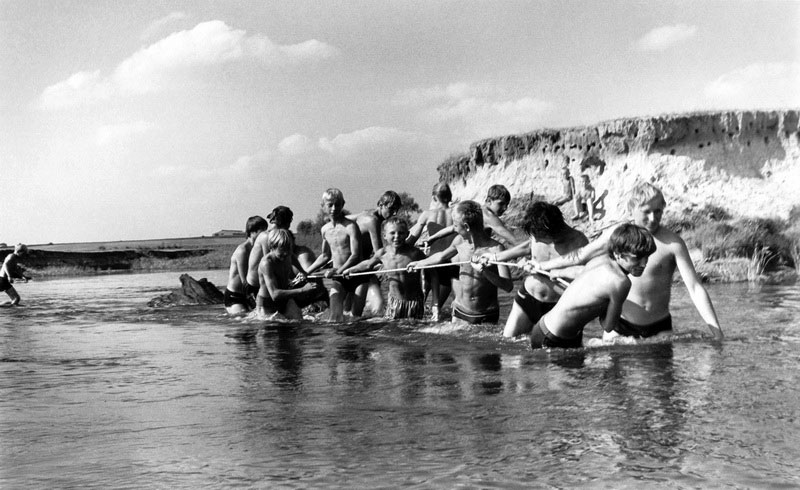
(279, 217)
(236, 301)
(476, 291)
(341, 243)
(275, 294)
(598, 292)
(646, 311)
(432, 220)
(11, 270)
(550, 236)
(405, 299)
(369, 224)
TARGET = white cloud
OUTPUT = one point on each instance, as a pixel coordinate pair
(158, 25)
(296, 144)
(153, 67)
(366, 140)
(760, 85)
(115, 132)
(661, 38)
(475, 110)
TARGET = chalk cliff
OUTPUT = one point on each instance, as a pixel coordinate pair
(747, 162)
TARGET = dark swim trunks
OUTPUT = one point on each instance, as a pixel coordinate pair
(251, 292)
(629, 329)
(542, 338)
(532, 307)
(232, 298)
(491, 316)
(5, 284)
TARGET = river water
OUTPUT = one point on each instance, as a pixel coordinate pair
(99, 391)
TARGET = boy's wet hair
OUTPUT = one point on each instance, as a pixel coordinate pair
(333, 194)
(279, 237)
(543, 219)
(631, 239)
(471, 213)
(442, 192)
(642, 193)
(281, 216)
(21, 249)
(498, 192)
(395, 220)
(255, 224)
(391, 200)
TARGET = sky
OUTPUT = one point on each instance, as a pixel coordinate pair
(164, 119)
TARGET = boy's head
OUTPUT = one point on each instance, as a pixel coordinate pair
(333, 202)
(395, 230)
(497, 199)
(389, 204)
(585, 180)
(630, 245)
(255, 225)
(467, 217)
(21, 249)
(646, 206)
(280, 217)
(442, 193)
(280, 242)
(543, 221)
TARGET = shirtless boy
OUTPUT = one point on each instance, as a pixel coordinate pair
(436, 217)
(405, 299)
(598, 292)
(369, 225)
(646, 311)
(584, 199)
(497, 200)
(550, 237)
(275, 274)
(236, 301)
(476, 291)
(11, 270)
(340, 243)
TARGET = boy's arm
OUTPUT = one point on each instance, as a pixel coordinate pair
(500, 276)
(416, 230)
(617, 296)
(297, 265)
(365, 265)
(499, 228)
(324, 256)
(697, 291)
(579, 256)
(374, 234)
(522, 249)
(437, 258)
(272, 284)
(447, 230)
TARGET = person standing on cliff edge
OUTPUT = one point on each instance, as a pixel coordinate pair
(645, 313)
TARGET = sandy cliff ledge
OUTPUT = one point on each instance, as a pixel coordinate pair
(746, 162)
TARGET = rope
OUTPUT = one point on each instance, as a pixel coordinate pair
(542, 272)
(386, 271)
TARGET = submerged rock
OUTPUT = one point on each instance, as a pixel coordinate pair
(191, 292)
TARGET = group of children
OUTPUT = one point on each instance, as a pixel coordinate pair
(623, 278)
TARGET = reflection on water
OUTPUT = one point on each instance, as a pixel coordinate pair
(99, 391)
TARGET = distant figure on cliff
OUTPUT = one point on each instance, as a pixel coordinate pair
(369, 224)
(11, 270)
(432, 220)
(236, 302)
(646, 311)
(585, 199)
(567, 183)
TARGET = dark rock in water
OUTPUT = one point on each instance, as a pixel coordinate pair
(192, 292)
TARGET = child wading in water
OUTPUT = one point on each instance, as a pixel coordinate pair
(405, 299)
(236, 301)
(598, 292)
(13, 270)
(275, 274)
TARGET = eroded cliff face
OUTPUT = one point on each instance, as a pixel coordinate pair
(745, 162)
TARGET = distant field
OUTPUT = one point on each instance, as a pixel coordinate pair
(158, 244)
